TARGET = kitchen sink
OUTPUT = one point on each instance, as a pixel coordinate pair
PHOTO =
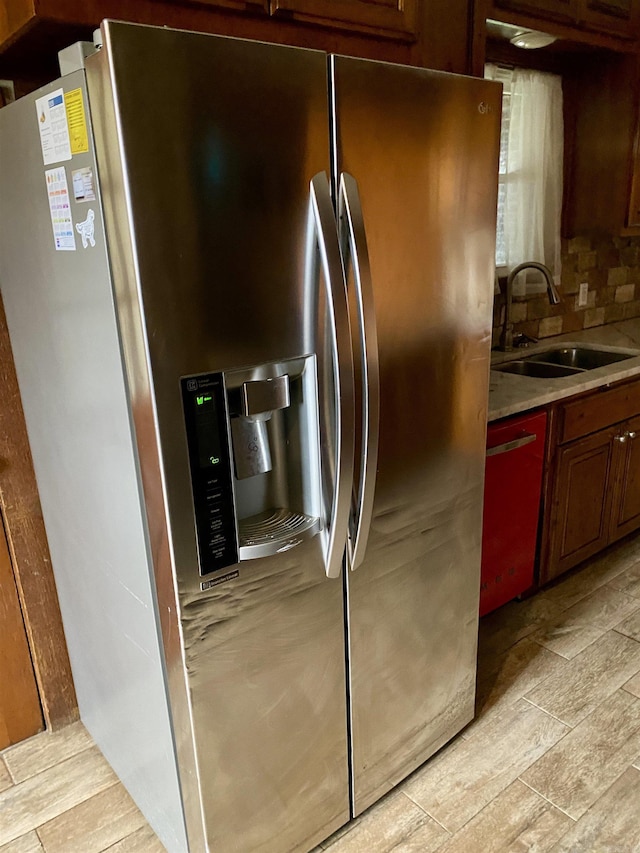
(562, 361)
(580, 357)
(537, 368)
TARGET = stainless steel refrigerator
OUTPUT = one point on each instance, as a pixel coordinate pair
(249, 295)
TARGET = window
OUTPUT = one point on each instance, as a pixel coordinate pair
(530, 179)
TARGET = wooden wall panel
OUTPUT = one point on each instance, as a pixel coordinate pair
(27, 541)
(20, 715)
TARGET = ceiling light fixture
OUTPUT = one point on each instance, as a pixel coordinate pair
(532, 39)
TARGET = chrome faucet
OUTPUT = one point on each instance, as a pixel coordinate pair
(506, 338)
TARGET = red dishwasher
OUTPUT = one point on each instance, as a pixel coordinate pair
(513, 482)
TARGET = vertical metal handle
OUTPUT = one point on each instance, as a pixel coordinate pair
(354, 246)
(335, 534)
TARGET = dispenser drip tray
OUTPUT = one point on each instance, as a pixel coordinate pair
(274, 531)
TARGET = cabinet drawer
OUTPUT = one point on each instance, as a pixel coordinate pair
(600, 410)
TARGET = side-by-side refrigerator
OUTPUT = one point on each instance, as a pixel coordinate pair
(249, 291)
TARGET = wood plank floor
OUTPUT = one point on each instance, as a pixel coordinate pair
(550, 765)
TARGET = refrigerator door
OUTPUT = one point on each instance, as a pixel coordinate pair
(421, 148)
(208, 147)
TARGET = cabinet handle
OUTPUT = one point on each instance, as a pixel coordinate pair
(527, 438)
(620, 438)
(631, 435)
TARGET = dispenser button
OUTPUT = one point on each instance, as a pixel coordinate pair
(215, 510)
(219, 553)
(215, 524)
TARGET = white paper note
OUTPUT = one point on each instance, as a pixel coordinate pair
(60, 210)
(54, 130)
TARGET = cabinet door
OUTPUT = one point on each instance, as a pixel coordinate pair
(581, 501)
(618, 16)
(633, 216)
(564, 10)
(394, 18)
(625, 514)
(20, 715)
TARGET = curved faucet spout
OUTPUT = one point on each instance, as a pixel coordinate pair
(506, 338)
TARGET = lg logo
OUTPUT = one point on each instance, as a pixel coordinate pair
(484, 108)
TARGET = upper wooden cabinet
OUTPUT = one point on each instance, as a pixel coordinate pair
(429, 33)
(236, 5)
(618, 17)
(602, 183)
(387, 18)
(563, 10)
(394, 18)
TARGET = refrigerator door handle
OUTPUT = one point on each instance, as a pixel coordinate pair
(335, 534)
(354, 246)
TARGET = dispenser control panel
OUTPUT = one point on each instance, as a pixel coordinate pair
(205, 416)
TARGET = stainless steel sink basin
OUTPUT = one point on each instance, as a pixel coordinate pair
(580, 357)
(562, 361)
(537, 368)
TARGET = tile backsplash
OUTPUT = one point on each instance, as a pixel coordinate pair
(611, 268)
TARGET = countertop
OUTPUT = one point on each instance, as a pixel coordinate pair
(510, 393)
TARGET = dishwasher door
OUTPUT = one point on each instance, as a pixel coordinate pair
(513, 481)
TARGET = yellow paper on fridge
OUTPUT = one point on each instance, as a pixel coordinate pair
(76, 121)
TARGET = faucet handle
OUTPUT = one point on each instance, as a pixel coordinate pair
(522, 340)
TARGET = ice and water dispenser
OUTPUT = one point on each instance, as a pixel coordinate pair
(254, 454)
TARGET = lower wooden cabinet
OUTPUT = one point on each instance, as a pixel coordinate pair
(581, 501)
(625, 515)
(593, 493)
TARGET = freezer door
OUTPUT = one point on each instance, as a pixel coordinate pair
(421, 149)
(64, 339)
(208, 147)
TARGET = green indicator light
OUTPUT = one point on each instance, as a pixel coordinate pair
(207, 399)
(199, 400)
(214, 460)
